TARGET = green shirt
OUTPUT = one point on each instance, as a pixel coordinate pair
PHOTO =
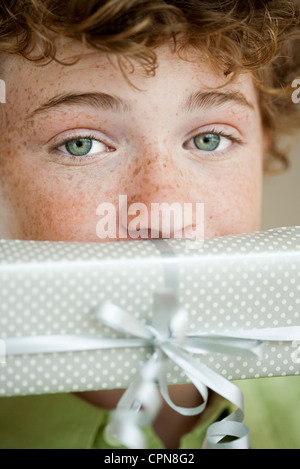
(64, 421)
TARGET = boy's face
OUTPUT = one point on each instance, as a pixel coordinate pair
(176, 139)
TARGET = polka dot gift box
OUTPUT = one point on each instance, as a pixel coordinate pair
(76, 316)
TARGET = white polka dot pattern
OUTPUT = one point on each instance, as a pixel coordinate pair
(234, 282)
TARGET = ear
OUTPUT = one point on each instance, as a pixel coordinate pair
(268, 139)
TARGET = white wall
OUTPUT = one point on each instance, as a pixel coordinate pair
(281, 195)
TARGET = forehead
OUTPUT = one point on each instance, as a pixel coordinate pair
(176, 75)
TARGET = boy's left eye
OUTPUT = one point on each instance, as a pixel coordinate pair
(212, 141)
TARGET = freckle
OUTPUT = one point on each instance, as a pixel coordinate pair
(136, 171)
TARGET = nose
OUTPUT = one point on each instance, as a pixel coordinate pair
(158, 202)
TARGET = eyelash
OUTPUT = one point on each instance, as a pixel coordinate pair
(68, 139)
(92, 136)
(220, 133)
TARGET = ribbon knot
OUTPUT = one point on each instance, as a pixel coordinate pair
(166, 337)
(159, 341)
(170, 342)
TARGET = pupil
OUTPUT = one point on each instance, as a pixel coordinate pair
(80, 147)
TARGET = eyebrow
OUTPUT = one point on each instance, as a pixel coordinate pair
(95, 100)
(104, 101)
(206, 99)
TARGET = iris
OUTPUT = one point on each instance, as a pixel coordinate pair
(79, 147)
(207, 142)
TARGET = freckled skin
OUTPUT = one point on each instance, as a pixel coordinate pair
(50, 200)
(44, 196)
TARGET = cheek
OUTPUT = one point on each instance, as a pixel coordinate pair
(48, 207)
(232, 199)
(237, 208)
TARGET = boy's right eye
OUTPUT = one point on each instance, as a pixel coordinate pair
(80, 148)
(83, 147)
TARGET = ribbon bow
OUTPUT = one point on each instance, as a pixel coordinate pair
(141, 402)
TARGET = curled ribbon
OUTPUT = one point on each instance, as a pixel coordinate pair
(175, 347)
(141, 402)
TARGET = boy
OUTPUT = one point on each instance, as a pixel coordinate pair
(164, 101)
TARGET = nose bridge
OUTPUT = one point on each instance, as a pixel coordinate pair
(158, 188)
(155, 173)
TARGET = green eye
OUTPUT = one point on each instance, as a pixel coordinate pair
(207, 142)
(79, 147)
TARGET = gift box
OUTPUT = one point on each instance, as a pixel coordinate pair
(87, 316)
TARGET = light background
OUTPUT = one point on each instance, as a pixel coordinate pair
(281, 195)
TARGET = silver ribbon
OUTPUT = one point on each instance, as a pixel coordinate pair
(141, 402)
(175, 347)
